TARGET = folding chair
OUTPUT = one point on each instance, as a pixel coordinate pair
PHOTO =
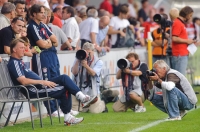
(11, 94)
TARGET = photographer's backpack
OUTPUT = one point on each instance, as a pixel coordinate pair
(128, 40)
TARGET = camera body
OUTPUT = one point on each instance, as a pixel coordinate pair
(150, 72)
(162, 21)
(123, 63)
(81, 55)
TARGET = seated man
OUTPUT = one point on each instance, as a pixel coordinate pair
(60, 87)
(177, 93)
(133, 81)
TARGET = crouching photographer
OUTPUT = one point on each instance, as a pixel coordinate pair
(86, 71)
(133, 74)
(177, 93)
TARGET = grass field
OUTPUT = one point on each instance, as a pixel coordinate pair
(118, 122)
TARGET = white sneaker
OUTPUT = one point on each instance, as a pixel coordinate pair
(174, 119)
(73, 121)
(74, 113)
(183, 113)
(55, 114)
(140, 109)
(88, 100)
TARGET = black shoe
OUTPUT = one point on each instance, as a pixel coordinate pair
(106, 110)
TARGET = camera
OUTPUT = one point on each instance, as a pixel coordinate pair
(150, 72)
(123, 63)
(81, 55)
(160, 19)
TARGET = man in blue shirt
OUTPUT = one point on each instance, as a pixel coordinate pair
(60, 87)
(45, 64)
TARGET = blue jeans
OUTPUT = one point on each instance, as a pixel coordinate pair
(180, 63)
(63, 95)
(176, 101)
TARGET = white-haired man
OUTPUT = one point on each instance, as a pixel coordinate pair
(7, 14)
(177, 93)
(89, 28)
(90, 69)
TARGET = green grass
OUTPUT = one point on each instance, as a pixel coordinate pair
(117, 122)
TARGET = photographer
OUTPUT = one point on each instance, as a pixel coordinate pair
(133, 81)
(180, 40)
(177, 93)
(159, 48)
(86, 71)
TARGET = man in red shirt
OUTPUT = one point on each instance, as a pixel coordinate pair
(106, 5)
(58, 16)
(180, 40)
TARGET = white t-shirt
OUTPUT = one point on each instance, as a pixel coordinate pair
(87, 26)
(117, 24)
(132, 10)
(45, 3)
(71, 30)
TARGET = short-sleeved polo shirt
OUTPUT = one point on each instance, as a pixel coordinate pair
(37, 32)
(7, 35)
(179, 30)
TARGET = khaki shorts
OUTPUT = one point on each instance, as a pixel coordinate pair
(118, 106)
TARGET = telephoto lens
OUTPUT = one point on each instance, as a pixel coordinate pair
(123, 63)
(81, 55)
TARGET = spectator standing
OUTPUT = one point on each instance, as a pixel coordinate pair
(142, 13)
(89, 28)
(132, 11)
(196, 22)
(1, 4)
(7, 14)
(45, 64)
(57, 16)
(60, 2)
(106, 5)
(117, 24)
(9, 33)
(180, 40)
(102, 35)
(115, 5)
(20, 7)
(70, 27)
(60, 35)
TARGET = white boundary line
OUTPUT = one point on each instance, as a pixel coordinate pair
(154, 123)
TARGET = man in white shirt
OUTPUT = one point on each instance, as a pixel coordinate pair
(70, 27)
(132, 11)
(89, 28)
(7, 14)
(117, 24)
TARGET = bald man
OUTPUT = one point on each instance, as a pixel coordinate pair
(173, 13)
(102, 34)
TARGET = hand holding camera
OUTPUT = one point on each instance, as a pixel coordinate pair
(151, 75)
